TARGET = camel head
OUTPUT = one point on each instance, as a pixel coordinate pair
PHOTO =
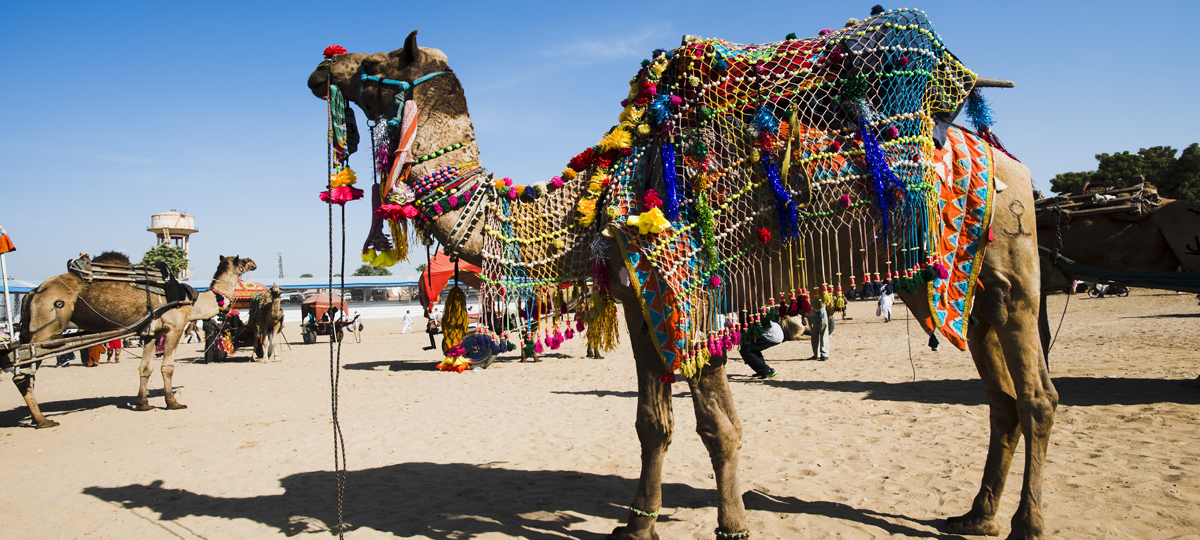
(276, 291)
(375, 99)
(235, 265)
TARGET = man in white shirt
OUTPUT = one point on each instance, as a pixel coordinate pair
(407, 320)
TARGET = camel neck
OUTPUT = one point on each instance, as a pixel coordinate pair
(224, 285)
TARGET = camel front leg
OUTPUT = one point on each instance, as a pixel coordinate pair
(168, 367)
(25, 382)
(655, 422)
(1004, 419)
(718, 425)
(144, 371)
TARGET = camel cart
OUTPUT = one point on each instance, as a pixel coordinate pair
(312, 310)
(14, 355)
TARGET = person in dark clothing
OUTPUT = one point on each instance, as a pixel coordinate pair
(752, 351)
(431, 327)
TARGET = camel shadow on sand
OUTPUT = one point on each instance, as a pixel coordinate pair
(458, 500)
(1072, 391)
(19, 416)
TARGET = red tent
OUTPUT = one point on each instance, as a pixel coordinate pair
(440, 272)
(245, 290)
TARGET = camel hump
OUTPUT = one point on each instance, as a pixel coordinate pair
(113, 258)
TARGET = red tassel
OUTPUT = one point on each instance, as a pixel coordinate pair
(668, 378)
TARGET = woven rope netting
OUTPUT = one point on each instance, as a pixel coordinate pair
(784, 171)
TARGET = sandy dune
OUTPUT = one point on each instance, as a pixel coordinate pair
(847, 448)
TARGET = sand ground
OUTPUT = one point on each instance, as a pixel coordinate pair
(848, 448)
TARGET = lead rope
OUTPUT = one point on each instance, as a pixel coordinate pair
(339, 445)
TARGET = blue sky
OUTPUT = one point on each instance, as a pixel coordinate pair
(113, 111)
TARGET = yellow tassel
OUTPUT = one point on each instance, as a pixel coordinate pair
(454, 321)
(602, 322)
(840, 303)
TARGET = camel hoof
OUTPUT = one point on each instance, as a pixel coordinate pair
(142, 407)
(622, 533)
(175, 406)
(46, 424)
(966, 524)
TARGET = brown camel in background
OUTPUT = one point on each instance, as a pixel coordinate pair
(103, 306)
(1003, 343)
(267, 320)
(1165, 240)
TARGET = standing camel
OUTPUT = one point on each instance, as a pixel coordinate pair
(267, 320)
(1002, 337)
(103, 306)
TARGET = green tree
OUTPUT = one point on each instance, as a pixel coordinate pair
(368, 270)
(421, 268)
(305, 275)
(174, 257)
(1175, 178)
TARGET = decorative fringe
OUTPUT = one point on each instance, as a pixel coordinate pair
(454, 321)
(671, 205)
(704, 217)
(602, 322)
(785, 208)
(979, 113)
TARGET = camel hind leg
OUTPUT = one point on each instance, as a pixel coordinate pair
(170, 343)
(143, 401)
(655, 423)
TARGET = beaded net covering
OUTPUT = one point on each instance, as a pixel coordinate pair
(749, 182)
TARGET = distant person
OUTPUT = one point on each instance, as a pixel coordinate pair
(886, 298)
(114, 351)
(192, 331)
(820, 324)
(93, 355)
(752, 351)
(407, 320)
(431, 327)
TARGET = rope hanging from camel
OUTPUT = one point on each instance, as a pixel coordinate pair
(336, 164)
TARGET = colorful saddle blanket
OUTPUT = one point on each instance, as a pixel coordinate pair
(965, 189)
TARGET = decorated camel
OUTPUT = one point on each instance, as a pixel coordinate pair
(101, 306)
(1135, 234)
(742, 184)
(266, 318)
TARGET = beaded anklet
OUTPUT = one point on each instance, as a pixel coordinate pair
(731, 536)
(644, 514)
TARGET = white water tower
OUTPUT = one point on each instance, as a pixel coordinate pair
(173, 228)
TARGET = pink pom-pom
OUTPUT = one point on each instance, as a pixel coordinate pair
(537, 348)
(726, 344)
(466, 197)
(825, 32)
(844, 200)
(891, 132)
(579, 325)
(547, 340)
(714, 281)
(512, 193)
(569, 333)
(942, 271)
(507, 181)
(737, 338)
(624, 103)
(453, 201)
(557, 182)
(835, 146)
(437, 207)
(676, 100)
(903, 60)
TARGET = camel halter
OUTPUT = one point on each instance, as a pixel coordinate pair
(404, 86)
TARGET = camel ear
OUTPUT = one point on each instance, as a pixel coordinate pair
(409, 53)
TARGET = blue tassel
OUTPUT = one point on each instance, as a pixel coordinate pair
(881, 173)
(660, 108)
(765, 121)
(978, 111)
(671, 205)
(785, 208)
